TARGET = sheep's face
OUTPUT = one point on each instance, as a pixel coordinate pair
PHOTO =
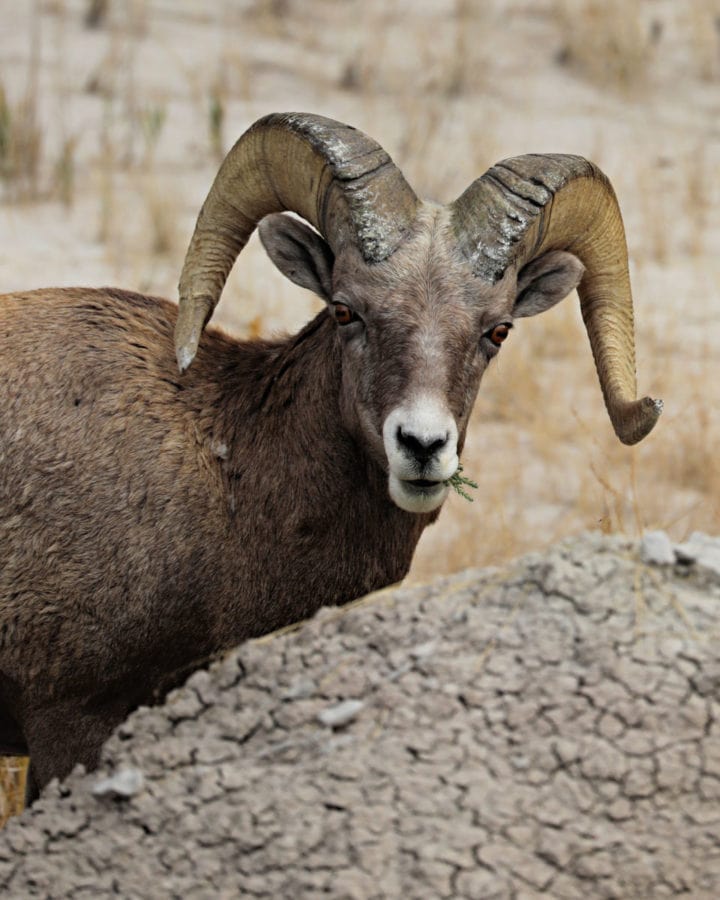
(416, 332)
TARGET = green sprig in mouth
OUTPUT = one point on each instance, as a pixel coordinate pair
(458, 482)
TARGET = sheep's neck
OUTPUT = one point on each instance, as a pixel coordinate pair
(323, 497)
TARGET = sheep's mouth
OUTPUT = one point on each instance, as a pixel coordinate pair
(417, 495)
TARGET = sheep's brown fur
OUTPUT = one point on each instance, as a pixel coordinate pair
(151, 517)
(149, 520)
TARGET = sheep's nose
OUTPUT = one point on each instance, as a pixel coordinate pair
(421, 447)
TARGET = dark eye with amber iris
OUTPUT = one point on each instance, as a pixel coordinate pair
(498, 334)
(343, 314)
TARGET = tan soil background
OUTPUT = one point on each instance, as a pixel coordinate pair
(547, 729)
(110, 136)
(115, 133)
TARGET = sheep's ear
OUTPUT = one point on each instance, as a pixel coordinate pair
(299, 252)
(546, 281)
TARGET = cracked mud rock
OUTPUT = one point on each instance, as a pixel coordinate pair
(551, 728)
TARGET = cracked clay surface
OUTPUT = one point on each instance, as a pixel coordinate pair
(548, 729)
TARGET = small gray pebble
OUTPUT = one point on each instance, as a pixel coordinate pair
(340, 714)
(300, 689)
(656, 549)
(702, 550)
(421, 651)
(125, 783)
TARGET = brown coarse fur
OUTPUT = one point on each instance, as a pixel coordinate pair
(148, 520)
(159, 507)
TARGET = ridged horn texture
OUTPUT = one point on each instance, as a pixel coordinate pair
(525, 206)
(335, 177)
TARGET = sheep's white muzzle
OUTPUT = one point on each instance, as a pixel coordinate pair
(420, 440)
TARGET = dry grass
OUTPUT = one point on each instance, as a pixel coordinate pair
(606, 41)
(13, 771)
(20, 147)
(448, 89)
(624, 44)
(701, 19)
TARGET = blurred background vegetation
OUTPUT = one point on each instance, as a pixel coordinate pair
(114, 115)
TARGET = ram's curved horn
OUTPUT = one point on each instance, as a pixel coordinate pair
(335, 177)
(525, 206)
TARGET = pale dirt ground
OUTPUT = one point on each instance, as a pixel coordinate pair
(546, 729)
(448, 89)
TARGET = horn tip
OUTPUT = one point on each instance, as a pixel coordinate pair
(187, 338)
(184, 355)
(638, 420)
(193, 313)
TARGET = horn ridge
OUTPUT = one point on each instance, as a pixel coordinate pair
(527, 205)
(331, 174)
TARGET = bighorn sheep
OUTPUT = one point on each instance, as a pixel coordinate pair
(150, 518)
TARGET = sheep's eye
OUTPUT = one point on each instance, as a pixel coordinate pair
(498, 334)
(343, 314)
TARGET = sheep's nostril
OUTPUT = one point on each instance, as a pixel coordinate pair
(422, 449)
